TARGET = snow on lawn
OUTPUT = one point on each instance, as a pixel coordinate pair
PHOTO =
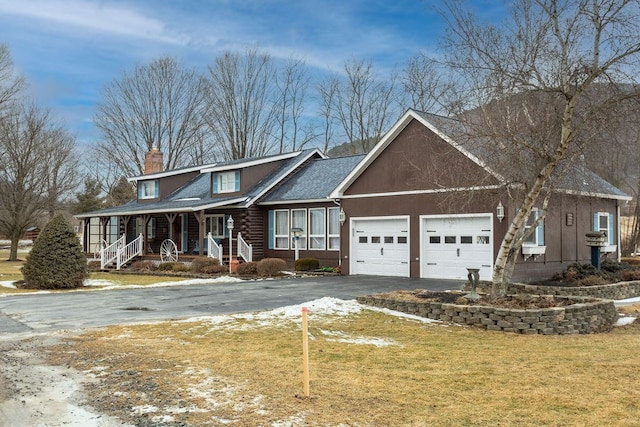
(324, 308)
(107, 284)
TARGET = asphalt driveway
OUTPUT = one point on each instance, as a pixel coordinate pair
(24, 314)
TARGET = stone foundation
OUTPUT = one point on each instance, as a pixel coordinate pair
(583, 317)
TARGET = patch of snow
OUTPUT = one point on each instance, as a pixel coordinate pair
(623, 321)
(107, 284)
(8, 284)
(627, 301)
(347, 339)
(144, 409)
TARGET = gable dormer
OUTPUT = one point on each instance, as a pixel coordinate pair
(225, 182)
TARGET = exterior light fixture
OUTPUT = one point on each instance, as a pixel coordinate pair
(342, 216)
(500, 211)
(296, 233)
(230, 227)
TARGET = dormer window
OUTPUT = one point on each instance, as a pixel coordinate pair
(226, 182)
(148, 189)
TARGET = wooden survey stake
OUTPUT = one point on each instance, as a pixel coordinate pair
(305, 350)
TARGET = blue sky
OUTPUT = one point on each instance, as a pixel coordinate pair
(69, 49)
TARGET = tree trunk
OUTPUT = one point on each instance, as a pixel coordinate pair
(13, 251)
(512, 242)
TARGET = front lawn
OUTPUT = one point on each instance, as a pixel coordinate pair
(368, 368)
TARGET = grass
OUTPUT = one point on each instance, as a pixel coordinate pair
(251, 373)
(10, 272)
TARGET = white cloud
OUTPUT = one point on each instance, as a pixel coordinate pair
(100, 17)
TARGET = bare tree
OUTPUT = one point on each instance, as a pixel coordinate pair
(29, 143)
(361, 104)
(61, 169)
(327, 91)
(10, 84)
(157, 105)
(424, 82)
(559, 48)
(240, 97)
(292, 83)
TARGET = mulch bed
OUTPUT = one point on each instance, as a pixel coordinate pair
(510, 301)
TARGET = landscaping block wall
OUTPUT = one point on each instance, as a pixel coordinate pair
(583, 317)
(615, 291)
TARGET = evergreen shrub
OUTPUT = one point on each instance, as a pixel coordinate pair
(56, 260)
(307, 264)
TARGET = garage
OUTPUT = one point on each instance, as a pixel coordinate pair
(380, 246)
(451, 244)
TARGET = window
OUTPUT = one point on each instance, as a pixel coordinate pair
(536, 238)
(334, 228)
(226, 182)
(215, 224)
(434, 239)
(148, 189)
(320, 229)
(151, 227)
(281, 231)
(450, 239)
(299, 220)
(317, 229)
(603, 221)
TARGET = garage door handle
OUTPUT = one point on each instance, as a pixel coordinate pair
(381, 251)
(458, 251)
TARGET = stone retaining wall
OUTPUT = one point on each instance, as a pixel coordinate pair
(580, 318)
(615, 291)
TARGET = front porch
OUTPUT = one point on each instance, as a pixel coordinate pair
(165, 237)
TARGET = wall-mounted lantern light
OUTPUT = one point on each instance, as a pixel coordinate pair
(500, 211)
(342, 216)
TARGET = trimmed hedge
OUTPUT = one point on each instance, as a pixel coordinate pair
(306, 264)
(271, 267)
(56, 260)
(248, 269)
(199, 264)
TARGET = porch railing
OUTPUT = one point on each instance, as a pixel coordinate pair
(215, 250)
(130, 251)
(245, 250)
(110, 253)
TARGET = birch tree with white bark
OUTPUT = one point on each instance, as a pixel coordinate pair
(557, 50)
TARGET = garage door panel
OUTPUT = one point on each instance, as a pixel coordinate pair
(380, 247)
(451, 245)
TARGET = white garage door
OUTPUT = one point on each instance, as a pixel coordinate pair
(380, 247)
(450, 245)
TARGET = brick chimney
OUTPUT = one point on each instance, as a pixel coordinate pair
(153, 161)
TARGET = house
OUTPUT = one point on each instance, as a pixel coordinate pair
(264, 197)
(417, 205)
(421, 205)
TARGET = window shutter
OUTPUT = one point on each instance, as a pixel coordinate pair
(611, 231)
(215, 183)
(237, 177)
(596, 225)
(272, 230)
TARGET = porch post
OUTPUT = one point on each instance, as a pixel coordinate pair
(124, 222)
(171, 217)
(103, 228)
(201, 218)
(145, 220)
